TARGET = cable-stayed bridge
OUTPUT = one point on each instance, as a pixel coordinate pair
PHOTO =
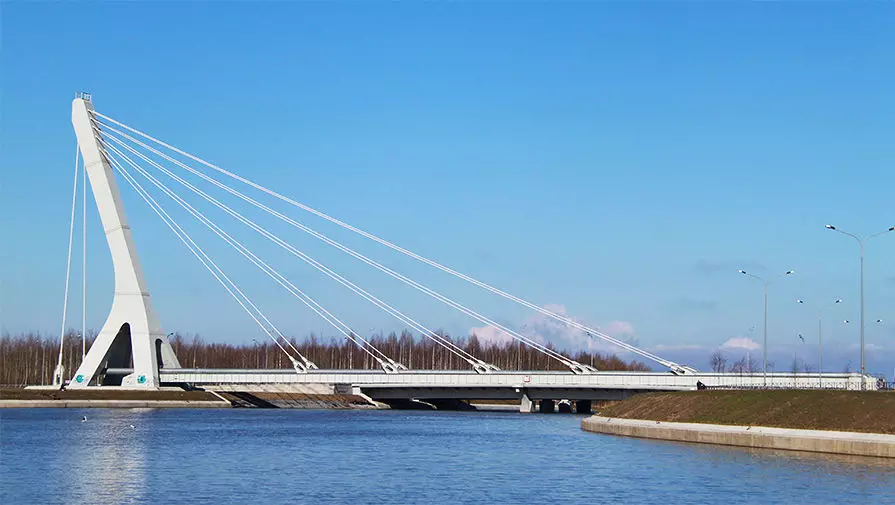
(133, 351)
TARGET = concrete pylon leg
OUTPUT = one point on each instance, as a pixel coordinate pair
(526, 406)
(132, 336)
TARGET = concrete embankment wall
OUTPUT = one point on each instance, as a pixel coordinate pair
(111, 404)
(834, 442)
(315, 396)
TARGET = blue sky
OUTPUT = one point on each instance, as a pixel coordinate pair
(620, 160)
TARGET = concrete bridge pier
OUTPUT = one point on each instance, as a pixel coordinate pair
(546, 406)
(583, 407)
(526, 406)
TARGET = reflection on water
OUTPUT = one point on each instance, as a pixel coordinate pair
(106, 460)
(273, 456)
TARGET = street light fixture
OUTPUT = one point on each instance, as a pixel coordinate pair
(820, 340)
(861, 242)
(765, 345)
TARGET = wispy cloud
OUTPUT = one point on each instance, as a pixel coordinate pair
(545, 329)
(490, 335)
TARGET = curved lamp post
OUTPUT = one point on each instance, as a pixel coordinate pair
(861, 242)
(765, 345)
(820, 339)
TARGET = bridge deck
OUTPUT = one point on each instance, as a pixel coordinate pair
(369, 379)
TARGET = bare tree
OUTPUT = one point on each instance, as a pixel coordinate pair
(31, 358)
(719, 361)
(740, 366)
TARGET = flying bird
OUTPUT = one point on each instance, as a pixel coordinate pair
(84, 419)
(801, 337)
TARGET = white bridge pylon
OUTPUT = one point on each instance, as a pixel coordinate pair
(131, 336)
(131, 348)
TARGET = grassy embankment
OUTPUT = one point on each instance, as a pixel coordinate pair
(862, 411)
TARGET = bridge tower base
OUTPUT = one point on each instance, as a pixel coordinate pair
(131, 346)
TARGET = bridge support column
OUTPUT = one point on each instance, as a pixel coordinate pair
(131, 338)
(583, 407)
(526, 406)
(546, 406)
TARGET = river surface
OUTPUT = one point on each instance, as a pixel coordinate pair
(249, 456)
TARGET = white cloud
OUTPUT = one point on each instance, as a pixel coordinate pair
(489, 334)
(741, 343)
(544, 329)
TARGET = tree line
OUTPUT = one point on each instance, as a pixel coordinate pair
(31, 358)
(748, 364)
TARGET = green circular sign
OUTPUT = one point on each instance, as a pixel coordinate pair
(141, 379)
(79, 378)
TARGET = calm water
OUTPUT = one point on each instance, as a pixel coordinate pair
(346, 457)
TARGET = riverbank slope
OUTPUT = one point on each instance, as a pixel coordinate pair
(859, 411)
(840, 422)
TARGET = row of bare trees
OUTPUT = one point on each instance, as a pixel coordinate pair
(748, 364)
(31, 358)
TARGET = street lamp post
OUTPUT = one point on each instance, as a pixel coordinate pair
(847, 322)
(820, 338)
(748, 350)
(765, 345)
(861, 242)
